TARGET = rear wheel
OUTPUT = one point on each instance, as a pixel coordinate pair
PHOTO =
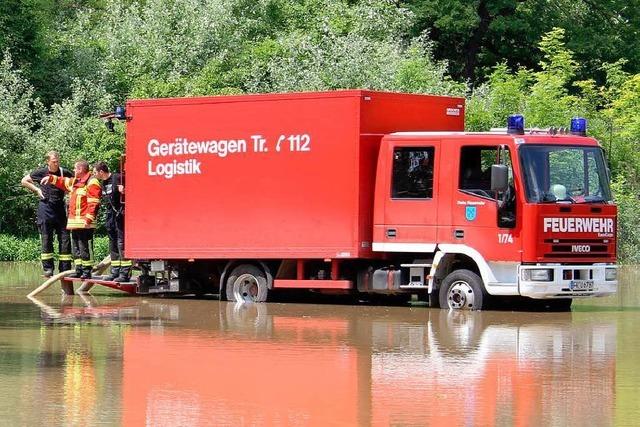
(463, 290)
(247, 283)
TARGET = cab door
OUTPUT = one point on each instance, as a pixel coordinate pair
(476, 218)
(409, 197)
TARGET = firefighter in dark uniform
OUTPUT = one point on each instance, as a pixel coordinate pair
(112, 191)
(52, 215)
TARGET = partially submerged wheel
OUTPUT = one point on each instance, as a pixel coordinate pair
(247, 283)
(463, 290)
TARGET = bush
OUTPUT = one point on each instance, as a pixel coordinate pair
(28, 249)
(16, 249)
(628, 222)
(100, 247)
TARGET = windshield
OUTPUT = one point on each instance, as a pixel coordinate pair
(564, 174)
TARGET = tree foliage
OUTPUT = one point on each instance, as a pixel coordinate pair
(21, 114)
(475, 35)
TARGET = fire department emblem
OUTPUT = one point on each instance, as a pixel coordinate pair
(470, 213)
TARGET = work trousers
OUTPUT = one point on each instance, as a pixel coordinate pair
(82, 247)
(115, 231)
(49, 229)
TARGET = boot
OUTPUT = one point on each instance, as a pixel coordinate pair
(64, 266)
(123, 278)
(48, 266)
(77, 273)
(86, 273)
(115, 272)
(125, 275)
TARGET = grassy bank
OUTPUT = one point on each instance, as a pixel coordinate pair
(28, 249)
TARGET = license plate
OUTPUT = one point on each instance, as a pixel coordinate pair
(581, 285)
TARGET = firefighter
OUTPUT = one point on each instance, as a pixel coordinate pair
(112, 191)
(52, 216)
(85, 193)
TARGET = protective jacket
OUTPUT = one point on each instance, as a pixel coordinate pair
(83, 200)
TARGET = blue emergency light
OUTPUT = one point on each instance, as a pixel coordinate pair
(579, 126)
(515, 124)
(119, 114)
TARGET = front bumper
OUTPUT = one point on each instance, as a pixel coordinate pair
(562, 288)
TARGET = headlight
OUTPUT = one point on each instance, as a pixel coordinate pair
(610, 274)
(537, 275)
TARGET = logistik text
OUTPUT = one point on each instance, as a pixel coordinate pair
(184, 147)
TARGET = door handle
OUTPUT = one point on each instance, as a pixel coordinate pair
(391, 232)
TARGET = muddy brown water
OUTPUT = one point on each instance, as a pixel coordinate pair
(108, 359)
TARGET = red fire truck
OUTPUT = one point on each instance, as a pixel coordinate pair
(363, 192)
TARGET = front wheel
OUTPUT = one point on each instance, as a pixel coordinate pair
(463, 290)
(247, 283)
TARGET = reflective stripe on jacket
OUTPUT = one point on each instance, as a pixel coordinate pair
(84, 199)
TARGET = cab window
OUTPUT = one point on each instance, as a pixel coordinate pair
(475, 170)
(412, 175)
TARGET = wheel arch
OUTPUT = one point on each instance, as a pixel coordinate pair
(450, 257)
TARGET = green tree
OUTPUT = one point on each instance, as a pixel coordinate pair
(185, 47)
(476, 35)
(21, 113)
(542, 96)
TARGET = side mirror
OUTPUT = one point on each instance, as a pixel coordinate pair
(499, 177)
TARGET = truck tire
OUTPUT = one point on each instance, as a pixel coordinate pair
(463, 290)
(247, 283)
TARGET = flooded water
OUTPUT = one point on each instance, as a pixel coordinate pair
(112, 360)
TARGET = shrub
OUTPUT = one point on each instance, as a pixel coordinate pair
(628, 221)
(19, 249)
(28, 249)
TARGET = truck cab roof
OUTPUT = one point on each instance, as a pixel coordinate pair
(483, 137)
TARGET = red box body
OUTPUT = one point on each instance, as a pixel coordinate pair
(311, 198)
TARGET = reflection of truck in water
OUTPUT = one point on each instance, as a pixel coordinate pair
(360, 191)
(266, 364)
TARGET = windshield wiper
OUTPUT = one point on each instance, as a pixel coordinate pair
(594, 199)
